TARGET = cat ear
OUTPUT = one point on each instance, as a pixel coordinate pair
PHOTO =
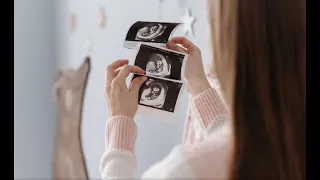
(85, 66)
(78, 75)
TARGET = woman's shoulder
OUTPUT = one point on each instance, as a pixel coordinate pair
(207, 159)
(212, 153)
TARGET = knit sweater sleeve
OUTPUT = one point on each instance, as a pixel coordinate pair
(206, 112)
(118, 160)
(207, 160)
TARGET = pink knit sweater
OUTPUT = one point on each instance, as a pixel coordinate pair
(203, 154)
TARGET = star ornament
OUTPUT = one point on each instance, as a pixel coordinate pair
(188, 22)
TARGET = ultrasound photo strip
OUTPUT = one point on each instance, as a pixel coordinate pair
(159, 94)
(149, 32)
(164, 69)
(160, 62)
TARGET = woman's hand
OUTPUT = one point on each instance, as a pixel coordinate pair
(194, 72)
(121, 99)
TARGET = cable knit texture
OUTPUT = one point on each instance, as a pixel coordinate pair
(208, 106)
(203, 154)
(121, 133)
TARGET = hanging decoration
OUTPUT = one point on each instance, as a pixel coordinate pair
(73, 22)
(101, 18)
(188, 22)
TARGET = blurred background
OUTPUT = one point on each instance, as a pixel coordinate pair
(44, 43)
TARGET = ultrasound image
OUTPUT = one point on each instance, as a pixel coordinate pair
(158, 65)
(159, 93)
(154, 93)
(160, 62)
(155, 32)
(150, 31)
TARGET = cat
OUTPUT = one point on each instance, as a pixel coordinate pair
(69, 88)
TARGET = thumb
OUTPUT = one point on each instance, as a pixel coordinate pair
(171, 45)
(137, 82)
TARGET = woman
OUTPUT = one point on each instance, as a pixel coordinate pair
(259, 58)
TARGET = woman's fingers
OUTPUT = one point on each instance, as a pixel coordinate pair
(185, 43)
(175, 47)
(126, 70)
(116, 72)
(110, 74)
(137, 82)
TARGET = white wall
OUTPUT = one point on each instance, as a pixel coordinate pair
(34, 71)
(107, 47)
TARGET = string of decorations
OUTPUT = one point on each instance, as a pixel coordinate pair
(187, 19)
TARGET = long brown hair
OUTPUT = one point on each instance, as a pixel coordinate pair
(260, 60)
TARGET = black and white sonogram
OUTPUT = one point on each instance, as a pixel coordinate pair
(155, 32)
(160, 62)
(159, 94)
